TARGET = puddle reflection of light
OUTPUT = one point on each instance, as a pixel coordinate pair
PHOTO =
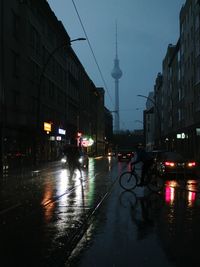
(191, 198)
(109, 159)
(170, 191)
(191, 186)
(48, 207)
(109, 162)
(79, 196)
(63, 185)
(91, 182)
(169, 194)
(190, 194)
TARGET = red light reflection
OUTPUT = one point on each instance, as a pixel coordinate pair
(169, 194)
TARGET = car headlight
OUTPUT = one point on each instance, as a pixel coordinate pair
(63, 160)
(80, 160)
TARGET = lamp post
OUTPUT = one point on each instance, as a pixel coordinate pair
(40, 87)
(158, 115)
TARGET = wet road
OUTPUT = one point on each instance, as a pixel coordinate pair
(43, 215)
(141, 228)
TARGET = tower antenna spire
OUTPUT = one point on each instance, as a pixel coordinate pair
(116, 74)
(116, 39)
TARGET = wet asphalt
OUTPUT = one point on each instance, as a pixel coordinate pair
(49, 220)
(140, 228)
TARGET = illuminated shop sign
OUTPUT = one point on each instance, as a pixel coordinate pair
(61, 131)
(181, 136)
(87, 141)
(47, 127)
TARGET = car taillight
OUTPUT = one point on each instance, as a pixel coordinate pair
(191, 164)
(169, 163)
(128, 154)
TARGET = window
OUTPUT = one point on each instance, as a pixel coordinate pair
(16, 99)
(197, 22)
(15, 25)
(15, 64)
(35, 40)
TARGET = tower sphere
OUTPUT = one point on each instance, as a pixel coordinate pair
(116, 72)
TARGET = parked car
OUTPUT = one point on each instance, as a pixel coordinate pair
(175, 163)
(124, 155)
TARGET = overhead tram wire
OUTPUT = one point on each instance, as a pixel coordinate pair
(92, 51)
(94, 55)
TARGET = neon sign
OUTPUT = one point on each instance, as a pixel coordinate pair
(87, 141)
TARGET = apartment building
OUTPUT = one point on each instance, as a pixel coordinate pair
(46, 95)
(177, 89)
(190, 74)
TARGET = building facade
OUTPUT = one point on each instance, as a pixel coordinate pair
(46, 95)
(177, 88)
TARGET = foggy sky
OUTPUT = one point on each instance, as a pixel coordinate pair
(145, 28)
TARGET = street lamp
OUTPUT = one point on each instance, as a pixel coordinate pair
(40, 84)
(157, 112)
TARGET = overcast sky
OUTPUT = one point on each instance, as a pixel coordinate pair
(145, 28)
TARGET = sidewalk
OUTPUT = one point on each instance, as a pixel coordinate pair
(32, 169)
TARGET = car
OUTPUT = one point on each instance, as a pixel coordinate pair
(124, 155)
(83, 160)
(174, 163)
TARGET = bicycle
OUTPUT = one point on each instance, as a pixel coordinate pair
(128, 180)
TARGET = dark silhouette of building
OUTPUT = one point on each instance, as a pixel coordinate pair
(43, 81)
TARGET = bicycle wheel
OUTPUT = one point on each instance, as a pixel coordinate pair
(155, 183)
(128, 180)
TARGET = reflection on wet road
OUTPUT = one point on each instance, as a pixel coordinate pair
(41, 215)
(45, 211)
(141, 228)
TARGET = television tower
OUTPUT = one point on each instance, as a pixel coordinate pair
(116, 74)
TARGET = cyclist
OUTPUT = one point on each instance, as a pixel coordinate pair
(146, 159)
